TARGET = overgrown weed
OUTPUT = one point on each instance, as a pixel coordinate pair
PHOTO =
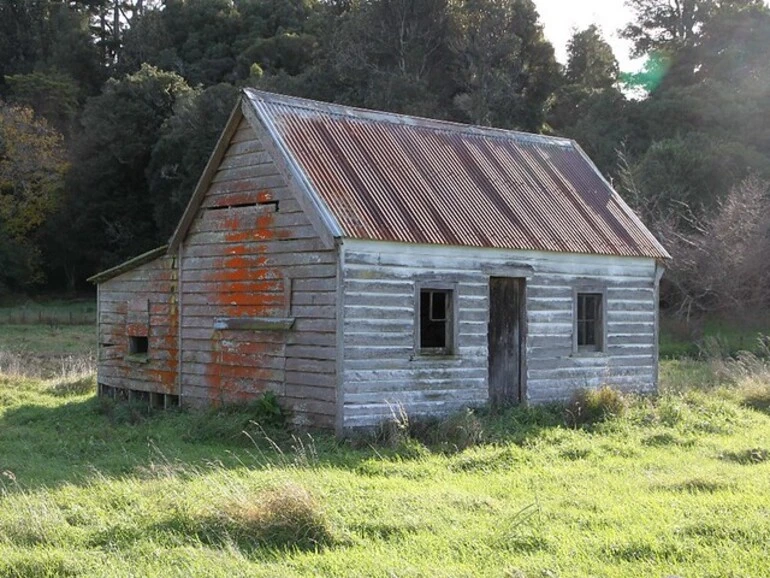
(285, 516)
(592, 406)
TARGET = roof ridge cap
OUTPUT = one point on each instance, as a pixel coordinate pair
(370, 115)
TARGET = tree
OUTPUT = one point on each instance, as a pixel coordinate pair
(671, 25)
(720, 260)
(590, 60)
(182, 149)
(507, 70)
(109, 210)
(588, 107)
(51, 95)
(394, 55)
(32, 170)
(48, 36)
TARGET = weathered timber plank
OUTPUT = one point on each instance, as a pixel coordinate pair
(239, 297)
(310, 352)
(194, 289)
(259, 248)
(362, 372)
(209, 358)
(400, 300)
(353, 353)
(281, 259)
(327, 380)
(418, 258)
(387, 386)
(306, 410)
(302, 391)
(244, 147)
(266, 174)
(223, 275)
(271, 306)
(233, 160)
(464, 395)
(313, 298)
(314, 312)
(220, 370)
(310, 365)
(243, 133)
(254, 236)
(319, 325)
(398, 339)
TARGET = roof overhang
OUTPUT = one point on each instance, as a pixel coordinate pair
(128, 265)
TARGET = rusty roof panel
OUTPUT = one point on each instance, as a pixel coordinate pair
(397, 178)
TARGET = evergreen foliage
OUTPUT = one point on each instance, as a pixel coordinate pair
(140, 90)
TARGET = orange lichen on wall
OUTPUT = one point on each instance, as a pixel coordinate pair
(164, 372)
(150, 310)
(243, 363)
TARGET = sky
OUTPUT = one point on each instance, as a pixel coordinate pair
(561, 17)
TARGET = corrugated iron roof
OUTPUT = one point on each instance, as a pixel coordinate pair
(398, 178)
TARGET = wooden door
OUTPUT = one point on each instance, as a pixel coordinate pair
(505, 334)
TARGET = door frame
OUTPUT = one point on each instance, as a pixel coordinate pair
(523, 331)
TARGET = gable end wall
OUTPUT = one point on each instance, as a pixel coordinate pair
(251, 252)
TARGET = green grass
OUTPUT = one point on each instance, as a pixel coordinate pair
(51, 312)
(47, 340)
(730, 333)
(679, 485)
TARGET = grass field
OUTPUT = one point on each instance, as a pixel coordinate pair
(728, 334)
(49, 312)
(678, 485)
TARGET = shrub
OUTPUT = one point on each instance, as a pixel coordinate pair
(287, 516)
(453, 433)
(590, 406)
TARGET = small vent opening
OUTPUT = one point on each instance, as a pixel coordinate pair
(273, 204)
(232, 206)
(138, 345)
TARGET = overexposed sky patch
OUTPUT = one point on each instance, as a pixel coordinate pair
(561, 17)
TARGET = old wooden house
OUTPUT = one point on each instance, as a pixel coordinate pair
(351, 260)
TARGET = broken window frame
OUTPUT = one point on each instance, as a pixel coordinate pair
(598, 320)
(449, 290)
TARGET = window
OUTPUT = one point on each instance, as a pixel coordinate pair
(138, 345)
(436, 327)
(589, 322)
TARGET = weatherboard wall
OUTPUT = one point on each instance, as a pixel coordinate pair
(141, 302)
(381, 371)
(257, 292)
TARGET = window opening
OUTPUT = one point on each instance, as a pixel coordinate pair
(435, 320)
(138, 345)
(589, 321)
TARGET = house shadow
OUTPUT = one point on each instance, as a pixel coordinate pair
(44, 445)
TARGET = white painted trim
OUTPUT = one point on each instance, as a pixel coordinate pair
(339, 421)
(487, 253)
